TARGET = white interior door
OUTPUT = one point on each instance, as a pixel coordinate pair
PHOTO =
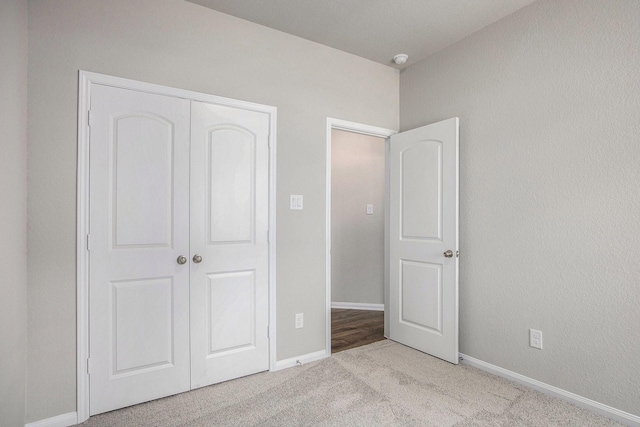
(423, 288)
(139, 226)
(229, 243)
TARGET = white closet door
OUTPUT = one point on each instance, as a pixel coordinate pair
(139, 226)
(229, 225)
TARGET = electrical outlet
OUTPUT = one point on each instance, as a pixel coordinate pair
(535, 338)
(299, 320)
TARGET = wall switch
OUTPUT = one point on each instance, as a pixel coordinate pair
(295, 202)
(299, 320)
(369, 209)
(535, 338)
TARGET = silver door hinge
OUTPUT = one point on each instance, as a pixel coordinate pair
(89, 366)
(268, 332)
(269, 236)
(89, 118)
(89, 242)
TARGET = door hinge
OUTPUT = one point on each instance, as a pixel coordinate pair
(269, 236)
(268, 332)
(89, 118)
(89, 242)
(89, 366)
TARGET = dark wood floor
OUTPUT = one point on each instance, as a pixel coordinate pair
(353, 328)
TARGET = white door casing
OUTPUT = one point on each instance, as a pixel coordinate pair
(139, 216)
(378, 132)
(229, 231)
(423, 226)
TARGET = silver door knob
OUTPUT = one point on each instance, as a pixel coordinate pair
(197, 259)
(182, 259)
(448, 254)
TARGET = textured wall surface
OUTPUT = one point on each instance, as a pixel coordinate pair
(357, 239)
(549, 107)
(13, 211)
(180, 44)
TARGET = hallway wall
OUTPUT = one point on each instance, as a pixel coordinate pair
(357, 239)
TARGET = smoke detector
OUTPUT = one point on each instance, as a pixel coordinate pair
(400, 58)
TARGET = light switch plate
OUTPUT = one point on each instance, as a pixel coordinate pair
(295, 202)
(369, 209)
(299, 320)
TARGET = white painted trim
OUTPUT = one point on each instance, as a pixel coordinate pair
(96, 78)
(387, 231)
(360, 128)
(64, 420)
(591, 405)
(273, 128)
(82, 255)
(86, 79)
(304, 359)
(349, 127)
(358, 306)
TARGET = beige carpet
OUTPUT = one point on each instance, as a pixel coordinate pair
(383, 383)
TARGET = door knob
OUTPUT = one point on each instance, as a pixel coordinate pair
(182, 259)
(197, 259)
(448, 254)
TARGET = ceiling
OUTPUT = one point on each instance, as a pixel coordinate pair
(373, 29)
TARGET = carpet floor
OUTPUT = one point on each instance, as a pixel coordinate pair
(383, 383)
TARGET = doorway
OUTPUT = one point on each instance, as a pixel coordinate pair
(357, 221)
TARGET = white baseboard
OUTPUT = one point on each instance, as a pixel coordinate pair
(305, 358)
(593, 406)
(358, 306)
(64, 420)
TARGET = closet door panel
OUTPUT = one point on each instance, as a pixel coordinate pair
(139, 225)
(232, 192)
(229, 265)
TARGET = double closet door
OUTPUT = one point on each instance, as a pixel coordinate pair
(178, 245)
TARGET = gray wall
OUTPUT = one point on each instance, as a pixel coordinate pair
(357, 239)
(548, 100)
(13, 210)
(180, 44)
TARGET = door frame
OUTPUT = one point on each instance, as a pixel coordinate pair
(85, 80)
(379, 132)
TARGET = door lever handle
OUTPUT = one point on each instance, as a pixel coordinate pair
(448, 253)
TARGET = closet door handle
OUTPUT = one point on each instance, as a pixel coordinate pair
(197, 259)
(182, 259)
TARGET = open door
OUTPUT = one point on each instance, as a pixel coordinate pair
(423, 221)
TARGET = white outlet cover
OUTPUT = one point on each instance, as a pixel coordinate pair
(535, 338)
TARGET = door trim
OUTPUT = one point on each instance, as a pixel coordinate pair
(379, 132)
(85, 80)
